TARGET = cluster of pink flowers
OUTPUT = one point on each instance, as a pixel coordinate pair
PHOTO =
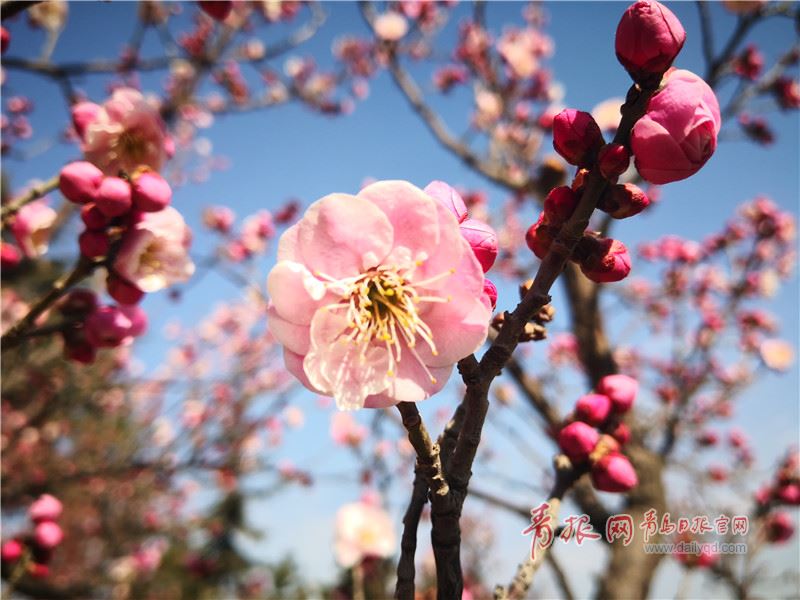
(91, 325)
(255, 233)
(363, 530)
(594, 435)
(376, 296)
(35, 548)
(783, 491)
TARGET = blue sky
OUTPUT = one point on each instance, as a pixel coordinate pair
(292, 152)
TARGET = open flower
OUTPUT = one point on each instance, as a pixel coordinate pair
(375, 297)
(154, 252)
(126, 132)
(363, 530)
(32, 227)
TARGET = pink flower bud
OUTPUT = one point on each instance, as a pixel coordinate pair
(93, 244)
(678, 133)
(151, 192)
(539, 237)
(11, 551)
(93, 218)
(622, 434)
(10, 256)
(216, 9)
(122, 291)
(593, 409)
(45, 508)
(490, 293)
(483, 241)
(80, 351)
(83, 115)
(779, 527)
(38, 570)
(114, 197)
(789, 494)
(649, 37)
(577, 440)
(620, 389)
(80, 181)
(5, 39)
(48, 535)
(614, 473)
(137, 317)
(707, 438)
(219, 218)
(613, 160)
(623, 201)
(447, 197)
(108, 327)
(559, 205)
(576, 137)
(605, 260)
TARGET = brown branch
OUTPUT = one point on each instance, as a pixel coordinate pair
(404, 589)
(565, 478)
(11, 8)
(429, 463)
(15, 336)
(36, 192)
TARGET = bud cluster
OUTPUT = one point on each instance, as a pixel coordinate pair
(90, 325)
(34, 549)
(783, 491)
(481, 236)
(594, 434)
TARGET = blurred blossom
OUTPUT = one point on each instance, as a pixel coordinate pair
(363, 530)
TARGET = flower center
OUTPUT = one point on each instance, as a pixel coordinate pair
(382, 306)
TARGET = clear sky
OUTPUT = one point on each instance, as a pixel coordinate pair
(291, 152)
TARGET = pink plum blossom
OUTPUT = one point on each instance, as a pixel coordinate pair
(32, 226)
(154, 251)
(678, 134)
(126, 133)
(649, 37)
(391, 26)
(363, 530)
(376, 296)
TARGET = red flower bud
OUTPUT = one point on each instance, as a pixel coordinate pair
(108, 327)
(93, 218)
(10, 256)
(483, 241)
(789, 494)
(779, 527)
(576, 137)
(622, 201)
(604, 260)
(614, 473)
(93, 244)
(490, 293)
(620, 389)
(216, 9)
(649, 37)
(540, 236)
(613, 160)
(577, 440)
(11, 551)
(5, 39)
(559, 205)
(151, 192)
(593, 409)
(114, 197)
(123, 291)
(80, 181)
(622, 434)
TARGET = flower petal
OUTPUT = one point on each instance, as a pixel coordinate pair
(294, 337)
(342, 235)
(294, 292)
(459, 328)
